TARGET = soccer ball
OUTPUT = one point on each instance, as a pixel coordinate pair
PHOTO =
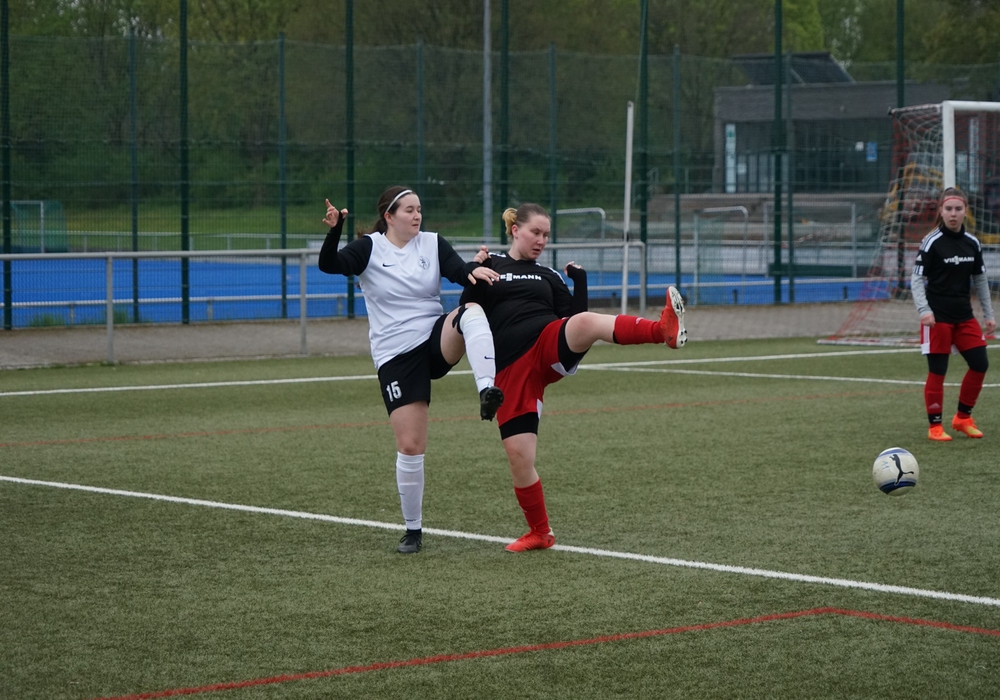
(895, 471)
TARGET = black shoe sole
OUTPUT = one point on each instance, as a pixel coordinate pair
(490, 399)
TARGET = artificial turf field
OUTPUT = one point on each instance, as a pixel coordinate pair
(228, 529)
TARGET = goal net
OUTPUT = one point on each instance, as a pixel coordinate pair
(934, 146)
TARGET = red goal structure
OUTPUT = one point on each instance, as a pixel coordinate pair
(934, 146)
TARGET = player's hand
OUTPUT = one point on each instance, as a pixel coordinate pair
(333, 215)
(990, 326)
(483, 255)
(927, 320)
(572, 270)
(486, 274)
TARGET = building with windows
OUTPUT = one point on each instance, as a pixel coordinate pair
(838, 135)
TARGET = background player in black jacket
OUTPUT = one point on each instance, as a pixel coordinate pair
(949, 261)
(541, 332)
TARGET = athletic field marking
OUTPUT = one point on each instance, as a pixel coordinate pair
(196, 385)
(549, 646)
(309, 380)
(765, 375)
(666, 561)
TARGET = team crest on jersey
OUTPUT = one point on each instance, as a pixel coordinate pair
(424, 263)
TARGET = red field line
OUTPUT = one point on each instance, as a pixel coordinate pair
(507, 651)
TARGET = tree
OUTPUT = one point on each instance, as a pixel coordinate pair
(965, 32)
(854, 31)
(864, 31)
(725, 28)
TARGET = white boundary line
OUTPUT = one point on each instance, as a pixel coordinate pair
(655, 365)
(762, 375)
(193, 385)
(665, 561)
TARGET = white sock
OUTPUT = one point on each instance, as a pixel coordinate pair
(410, 482)
(479, 345)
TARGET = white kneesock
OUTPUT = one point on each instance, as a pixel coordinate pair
(410, 482)
(479, 345)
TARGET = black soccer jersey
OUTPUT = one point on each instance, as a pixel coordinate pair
(527, 297)
(949, 260)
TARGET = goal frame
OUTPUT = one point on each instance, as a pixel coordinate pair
(948, 147)
(887, 294)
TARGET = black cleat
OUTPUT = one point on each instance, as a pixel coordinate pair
(411, 542)
(490, 400)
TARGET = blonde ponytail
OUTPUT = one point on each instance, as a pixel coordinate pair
(509, 218)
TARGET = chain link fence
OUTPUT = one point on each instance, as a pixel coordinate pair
(100, 129)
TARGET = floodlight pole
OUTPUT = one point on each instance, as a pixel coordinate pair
(778, 145)
(626, 219)
(487, 127)
(8, 288)
(677, 166)
(349, 132)
(185, 169)
(900, 62)
(505, 112)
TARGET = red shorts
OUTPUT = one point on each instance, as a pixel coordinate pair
(945, 338)
(523, 383)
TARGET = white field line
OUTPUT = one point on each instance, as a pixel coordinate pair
(763, 375)
(191, 385)
(664, 561)
(652, 365)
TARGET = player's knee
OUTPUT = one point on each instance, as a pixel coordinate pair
(978, 360)
(937, 364)
(469, 316)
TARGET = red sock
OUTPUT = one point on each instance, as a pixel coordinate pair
(632, 330)
(934, 395)
(972, 384)
(532, 502)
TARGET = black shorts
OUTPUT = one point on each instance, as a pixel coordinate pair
(406, 378)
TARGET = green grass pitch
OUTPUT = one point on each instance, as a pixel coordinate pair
(228, 529)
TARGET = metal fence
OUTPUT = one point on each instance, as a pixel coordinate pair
(96, 124)
(118, 288)
(96, 136)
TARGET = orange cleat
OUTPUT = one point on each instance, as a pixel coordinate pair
(936, 432)
(967, 426)
(672, 319)
(533, 540)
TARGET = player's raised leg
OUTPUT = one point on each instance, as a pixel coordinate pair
(467, 331)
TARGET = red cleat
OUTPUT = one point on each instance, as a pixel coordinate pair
(936, 432)
(967, 426)
(672, 319)
(533, 540)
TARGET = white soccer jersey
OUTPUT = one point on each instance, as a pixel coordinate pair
(402, 292)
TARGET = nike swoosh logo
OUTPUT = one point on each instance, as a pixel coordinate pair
(388, 264)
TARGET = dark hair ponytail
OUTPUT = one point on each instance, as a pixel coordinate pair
(388, 202)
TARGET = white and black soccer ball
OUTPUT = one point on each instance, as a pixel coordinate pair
(895, 471)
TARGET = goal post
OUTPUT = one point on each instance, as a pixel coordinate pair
(953, 143)
(38, 226)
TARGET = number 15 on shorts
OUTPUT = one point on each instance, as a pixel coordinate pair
(393, 392)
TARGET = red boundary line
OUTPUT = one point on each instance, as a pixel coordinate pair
(506, 651)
